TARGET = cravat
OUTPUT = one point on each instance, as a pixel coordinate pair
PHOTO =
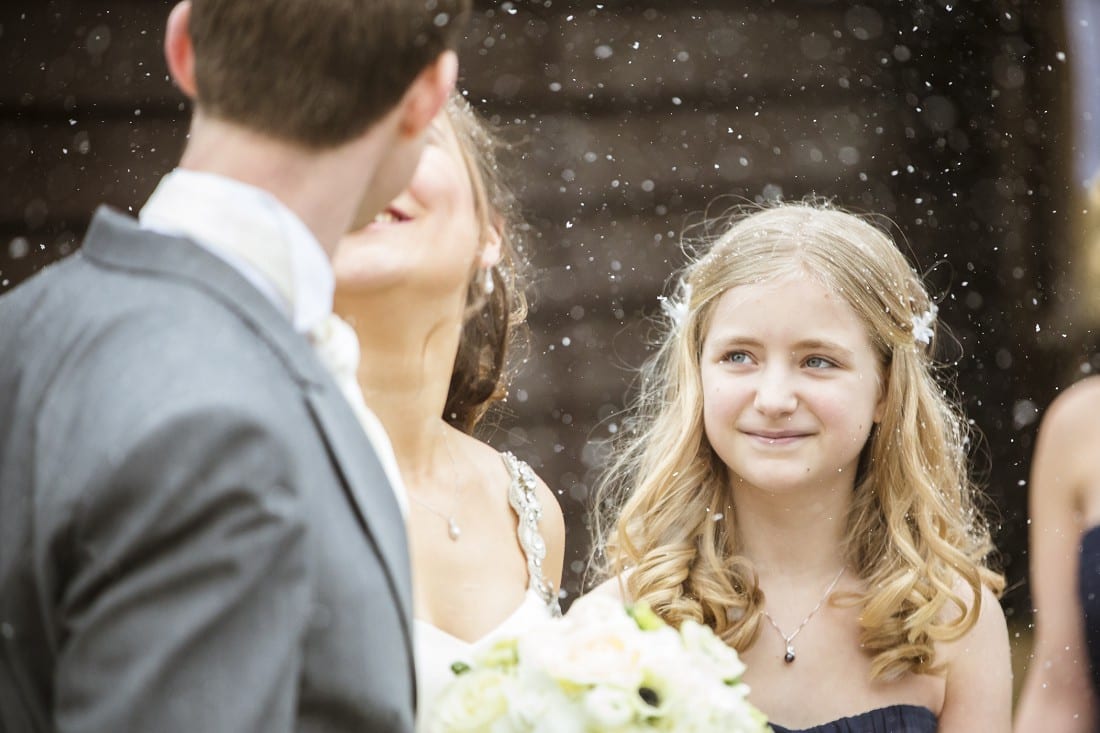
(337, 346)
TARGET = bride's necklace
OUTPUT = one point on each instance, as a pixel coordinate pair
(788, 639)
(453, 530)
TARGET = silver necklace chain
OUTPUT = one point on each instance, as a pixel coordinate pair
(453, 530)
(788, 640)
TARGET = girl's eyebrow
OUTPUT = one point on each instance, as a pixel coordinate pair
(811, 344)
(734, 339)
(823, 345)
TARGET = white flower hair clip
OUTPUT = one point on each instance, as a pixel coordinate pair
(676, 308)
(922, 325)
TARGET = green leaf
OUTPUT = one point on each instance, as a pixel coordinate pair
(644, 616)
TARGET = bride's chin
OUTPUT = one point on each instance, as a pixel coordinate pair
(392, 294)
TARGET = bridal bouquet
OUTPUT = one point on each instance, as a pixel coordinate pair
(601, 669)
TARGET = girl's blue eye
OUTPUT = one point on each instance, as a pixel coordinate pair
(737, 357)
(818, 362)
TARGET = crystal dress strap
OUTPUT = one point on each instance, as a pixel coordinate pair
(524, 500)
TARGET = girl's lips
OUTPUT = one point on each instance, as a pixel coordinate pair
(781, 438)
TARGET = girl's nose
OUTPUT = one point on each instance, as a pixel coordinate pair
(775, 394)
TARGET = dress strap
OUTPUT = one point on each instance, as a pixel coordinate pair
(524, 500)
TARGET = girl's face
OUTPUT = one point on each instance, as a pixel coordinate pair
(428, 238)
(791, 385)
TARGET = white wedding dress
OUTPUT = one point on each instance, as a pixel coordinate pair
(436, 650)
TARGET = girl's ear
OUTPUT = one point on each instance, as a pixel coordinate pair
(880, 407)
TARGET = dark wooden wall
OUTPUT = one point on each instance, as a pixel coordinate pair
(633, 120)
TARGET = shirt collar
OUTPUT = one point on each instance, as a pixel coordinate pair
(253, 232)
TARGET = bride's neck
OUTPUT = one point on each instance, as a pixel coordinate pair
(404, 374)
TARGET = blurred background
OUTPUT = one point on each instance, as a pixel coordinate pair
(969, 125)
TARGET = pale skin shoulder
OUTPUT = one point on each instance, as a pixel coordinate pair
(552, 523)
(552, 529)
(1063, 501)
(614, 588)
(978, 672)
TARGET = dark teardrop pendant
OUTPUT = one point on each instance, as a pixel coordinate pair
(789, 656)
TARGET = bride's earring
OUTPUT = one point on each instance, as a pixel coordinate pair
(488, 284)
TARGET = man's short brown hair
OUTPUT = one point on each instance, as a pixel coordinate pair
(315, 72)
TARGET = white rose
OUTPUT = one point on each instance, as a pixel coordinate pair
(472, 703)
(733, 714)
(590, 654)
(713, 656)
(561, 717)
(527, 706)
(599, 610)
(714, 706)
(608, 707)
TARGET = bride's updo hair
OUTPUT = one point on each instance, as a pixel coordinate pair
(665, 518)
(493, 332)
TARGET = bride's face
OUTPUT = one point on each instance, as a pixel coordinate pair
(427, 241)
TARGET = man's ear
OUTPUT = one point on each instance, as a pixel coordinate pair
(178, 51)
(427, 94)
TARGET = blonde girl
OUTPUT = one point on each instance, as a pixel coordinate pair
(795, 477)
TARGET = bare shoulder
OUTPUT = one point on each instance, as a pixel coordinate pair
(548, 500)
(614, 587)
(978, 671)
(551, 526)
(991, 617)
(552, 519)
(1064, 458)
(1072, 415)
(489, 462)
(552, 529)
(989, 632)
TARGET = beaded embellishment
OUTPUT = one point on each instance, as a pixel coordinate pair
(525, 502)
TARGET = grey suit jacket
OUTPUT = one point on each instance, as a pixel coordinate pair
(195, 534)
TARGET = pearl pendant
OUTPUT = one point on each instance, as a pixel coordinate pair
(789, 656)
(453, 530)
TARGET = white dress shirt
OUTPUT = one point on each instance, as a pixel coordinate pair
(269, 246)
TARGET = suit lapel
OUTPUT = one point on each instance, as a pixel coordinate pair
(367, 486)
(116, 241)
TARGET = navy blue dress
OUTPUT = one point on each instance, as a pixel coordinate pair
(1089, 587)
(893, 719)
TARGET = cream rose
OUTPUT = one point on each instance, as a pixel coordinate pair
(472, 702)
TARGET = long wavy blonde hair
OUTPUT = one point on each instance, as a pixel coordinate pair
(913, 531)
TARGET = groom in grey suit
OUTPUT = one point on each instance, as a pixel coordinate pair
(195, 531)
